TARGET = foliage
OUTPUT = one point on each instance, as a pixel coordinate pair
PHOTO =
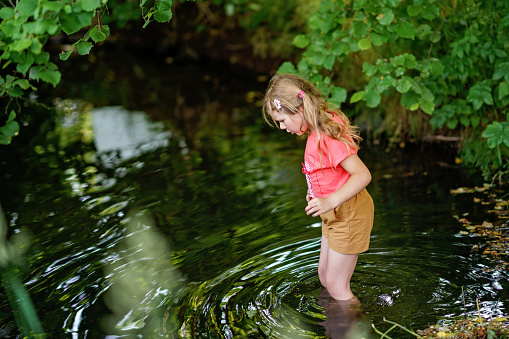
(28, 26)
(447, 59)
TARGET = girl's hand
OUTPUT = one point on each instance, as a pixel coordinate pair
(308, 197)
(317, 206)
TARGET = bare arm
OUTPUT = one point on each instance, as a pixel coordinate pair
(360, 177)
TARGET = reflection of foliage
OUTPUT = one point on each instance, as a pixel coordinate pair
(142, 277)
(21, 303)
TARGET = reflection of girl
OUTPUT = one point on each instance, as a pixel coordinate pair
(337, 176)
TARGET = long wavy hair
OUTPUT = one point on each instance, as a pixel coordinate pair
(315, 110)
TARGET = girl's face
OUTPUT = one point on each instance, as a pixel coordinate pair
(292, 123)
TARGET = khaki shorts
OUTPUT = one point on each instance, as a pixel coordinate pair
(348, 226)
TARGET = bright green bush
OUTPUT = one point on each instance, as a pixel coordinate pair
(448, 59)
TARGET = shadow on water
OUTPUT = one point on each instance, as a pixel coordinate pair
(189, 221)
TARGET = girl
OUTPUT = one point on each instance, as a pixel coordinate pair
(336, 176)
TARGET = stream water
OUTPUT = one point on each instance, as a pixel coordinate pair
(159, 205)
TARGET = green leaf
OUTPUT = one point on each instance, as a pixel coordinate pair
(20, 45)
(65, 55)
(369, 69)
(409, 99)
(399, 71)
(34, 72)
(410, 61)
(413, 10)
(329, 61)
(406, 30)
(23, 83)
(84, 47)
(327, 26)
(42, 58)
(100, 35)
(47, 25)
(384, 67)
(15, 92)
(465, 120)
(304, 66)
(357, 96)
(364, 44)
(300, 41)
(73, 22)
(386, 82)
(398, 60)
(7, 13)
(163, 15)
(90, 5)
(338, 95)
(10, 129)
(51, 76)
(378, 39)
(386, 17)
(5, 140)
(487, 98)
(501, 70)
(393, 3)
(54, 6)
(503, 90)
(372, 98)
(287, 67)
(25, 66)
(26, 7)
(36, 47)
(360, 29)
(427, 106)
(452, 123)
(480, 93)
(505, 21)
(424, 32)
(315, 22)
(475, 120)
(11, 117)
(497, 133)
(430, 12)
(436, 67)
(319, 58)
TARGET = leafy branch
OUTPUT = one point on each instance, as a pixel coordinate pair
(27, 26)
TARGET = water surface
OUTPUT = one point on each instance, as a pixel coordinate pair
(186, 219)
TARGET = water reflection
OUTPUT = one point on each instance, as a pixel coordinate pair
(342, 317)
(126, 134)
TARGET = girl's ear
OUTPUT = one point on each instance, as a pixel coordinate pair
(301, 109)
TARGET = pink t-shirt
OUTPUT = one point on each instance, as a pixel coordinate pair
(327, 177)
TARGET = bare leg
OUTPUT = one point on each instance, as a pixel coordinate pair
(340, 269)
(322, 262)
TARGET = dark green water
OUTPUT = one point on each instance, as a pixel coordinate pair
(160, 206)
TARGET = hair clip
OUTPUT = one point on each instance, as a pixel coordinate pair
(301, 93)
(278, 104)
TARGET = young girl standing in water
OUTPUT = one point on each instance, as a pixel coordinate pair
(336, 176)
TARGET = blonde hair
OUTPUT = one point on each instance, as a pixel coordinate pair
(293, 92)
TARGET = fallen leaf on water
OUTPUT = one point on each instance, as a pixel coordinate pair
(487, 224)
